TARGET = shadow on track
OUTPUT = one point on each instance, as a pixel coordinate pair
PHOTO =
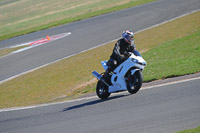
(93, 102)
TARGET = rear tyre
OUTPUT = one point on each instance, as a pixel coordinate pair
(102, 90)
(134, 82)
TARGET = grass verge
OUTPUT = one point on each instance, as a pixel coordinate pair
(195, 130)
(21, 17)
(171, 49)
(174, 58)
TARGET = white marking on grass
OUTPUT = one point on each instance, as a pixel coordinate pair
(39, 42)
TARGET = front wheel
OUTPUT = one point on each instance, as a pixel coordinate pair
(134, 82)
(102, 90)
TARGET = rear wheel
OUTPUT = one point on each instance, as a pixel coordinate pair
(102, 90)
(134, 82)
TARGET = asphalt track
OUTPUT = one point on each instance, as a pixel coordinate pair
(89, 33)
(157, 109)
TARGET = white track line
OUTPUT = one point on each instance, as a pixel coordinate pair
(94, 97)
(170, 83)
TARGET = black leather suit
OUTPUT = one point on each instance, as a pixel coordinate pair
(120, 53)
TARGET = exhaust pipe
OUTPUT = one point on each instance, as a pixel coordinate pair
(99, 77)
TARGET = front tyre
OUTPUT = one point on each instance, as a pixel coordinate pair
(134, 82)
(102, 90)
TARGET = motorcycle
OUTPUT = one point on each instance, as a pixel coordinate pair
(127, 76)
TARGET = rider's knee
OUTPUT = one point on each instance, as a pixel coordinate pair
(111, 64)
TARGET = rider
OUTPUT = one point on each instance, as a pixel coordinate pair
(121, 50)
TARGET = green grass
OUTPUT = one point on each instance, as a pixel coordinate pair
(195, 130)
(170, 51)
(26, 16)
(178, 57)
